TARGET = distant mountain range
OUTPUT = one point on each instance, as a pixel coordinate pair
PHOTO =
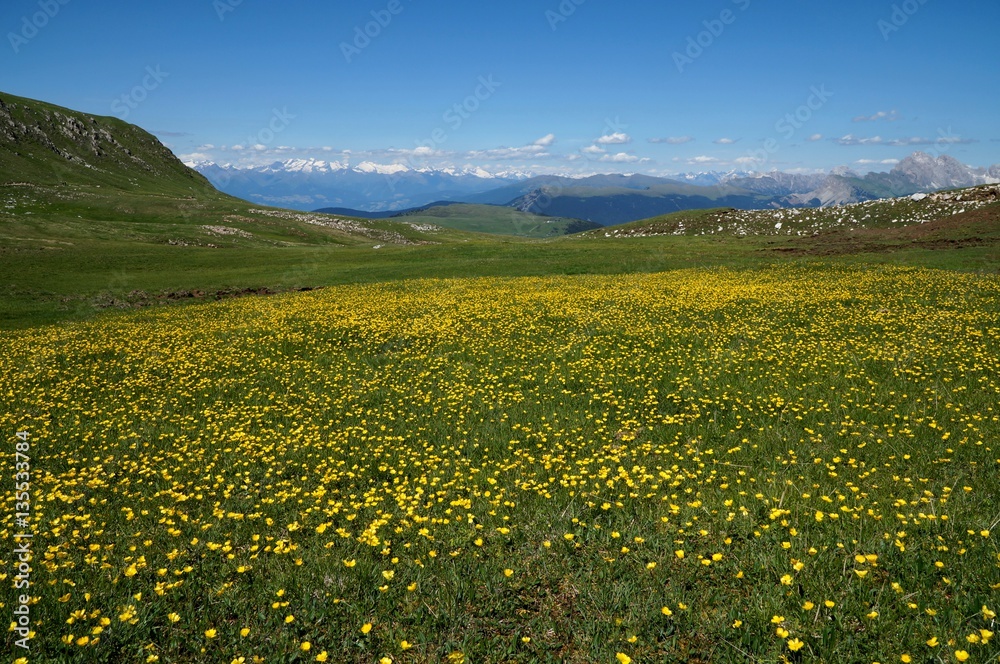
(611, 200)
(309, 184)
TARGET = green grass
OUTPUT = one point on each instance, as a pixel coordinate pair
(53, 281)
(499, 220)
(504, 469)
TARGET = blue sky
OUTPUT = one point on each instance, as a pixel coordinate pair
(576, 86)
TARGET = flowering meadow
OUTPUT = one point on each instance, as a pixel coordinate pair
(798, 463)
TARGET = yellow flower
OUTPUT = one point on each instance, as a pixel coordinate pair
(777, 620)
(961, 655)
(321, 657)
(83, 640)
(932, 642)
(650, 565)
(525, 639)
(173, 617)
(367, 627)
(679, 553)
(350, 563)
(808, 606)
(623, 658)
(210, 633)
(905, 658)
(305, 646)
(508, 572)
(795, 645)
(245, 631)
(666, 611)
(289, 619)
(412, 586)
(385, 660)
(405, 645)
(737, 624)
(987, 614)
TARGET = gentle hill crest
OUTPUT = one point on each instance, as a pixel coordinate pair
(891, 213)
(68, 177)
(49, 145)
(478, 218)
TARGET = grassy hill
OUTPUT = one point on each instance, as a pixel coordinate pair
(47, 145)
(878, 215)
(498, 220)
(95, 214)
(68, 177)
(610, 205)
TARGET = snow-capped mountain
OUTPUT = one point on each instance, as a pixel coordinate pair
(944, 172)
(308, 184)
(918, 173)
(709, 178)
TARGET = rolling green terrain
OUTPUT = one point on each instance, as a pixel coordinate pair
(714, 436)
(97, 214)
(495, 219)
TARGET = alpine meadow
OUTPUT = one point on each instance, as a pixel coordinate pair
(633, 361)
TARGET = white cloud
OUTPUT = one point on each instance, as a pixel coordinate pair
(620, 158)
(704, 159)
(593, 149)
(889, 116)
(851, 139)
(534, 151)
(880, 162)
(673, 140)
(207, 146)
(725, 141)
(617, 138)
(815, 137)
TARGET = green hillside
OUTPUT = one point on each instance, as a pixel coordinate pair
(68, 178)
(47, 145)
(96, 215)
(498, 220)
(885, 214)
